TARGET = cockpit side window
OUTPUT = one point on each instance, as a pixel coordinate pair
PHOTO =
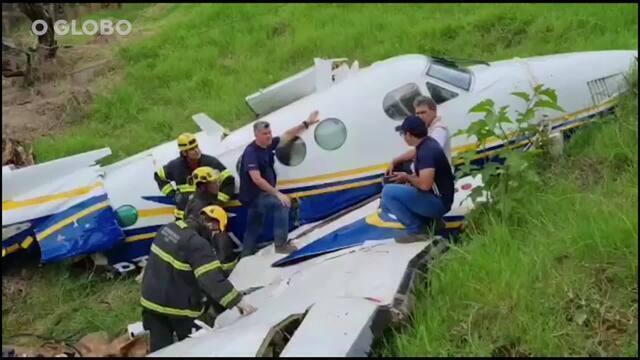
(457, 77)
(440, 94)
(398, 103)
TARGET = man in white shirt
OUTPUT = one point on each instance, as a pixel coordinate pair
(427, 110)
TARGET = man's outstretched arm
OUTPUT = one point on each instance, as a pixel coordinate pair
(297, 130)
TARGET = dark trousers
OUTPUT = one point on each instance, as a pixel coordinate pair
(256, 214)
(162, 327)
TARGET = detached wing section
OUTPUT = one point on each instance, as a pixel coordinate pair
(370, 223)
(332, 297)
(62, 205)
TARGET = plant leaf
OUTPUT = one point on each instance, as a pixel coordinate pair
(547, 104)
(522, 95)
(551, 94)
(485, 106)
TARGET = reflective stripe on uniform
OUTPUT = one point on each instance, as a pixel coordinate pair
(166, 189)
(230, 266)
(229, 297)
(186, 188)
(223, 175)
(161, 173)
(181, 224)
(169, 259)
(170, 311)
(206, 268)
(223, 197)
(178, 213)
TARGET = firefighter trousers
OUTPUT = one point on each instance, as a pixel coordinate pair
(162, 327)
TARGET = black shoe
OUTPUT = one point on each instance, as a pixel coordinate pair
(411, 238)
(286, 249)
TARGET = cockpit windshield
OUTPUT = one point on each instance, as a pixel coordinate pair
(458, 77)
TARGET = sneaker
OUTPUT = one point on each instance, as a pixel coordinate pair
(411, 238)
(286, 249)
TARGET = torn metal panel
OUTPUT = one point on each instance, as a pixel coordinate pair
(346, 319)
(66, 216)
(343, 291)
(370, 273)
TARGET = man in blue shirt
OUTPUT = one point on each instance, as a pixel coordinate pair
(428, 193)
(258, 186)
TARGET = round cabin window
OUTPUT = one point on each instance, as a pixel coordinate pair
(292, 153)
(330, 134)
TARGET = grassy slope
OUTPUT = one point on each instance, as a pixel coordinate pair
(209, 57)
(558, 277)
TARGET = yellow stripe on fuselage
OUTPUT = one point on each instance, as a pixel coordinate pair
(358, 171)
(140, 237)
(168, 210)
(43, 234)
(12, 205)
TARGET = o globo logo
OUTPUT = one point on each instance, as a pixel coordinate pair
(88, 27)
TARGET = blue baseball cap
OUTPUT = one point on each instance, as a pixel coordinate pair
(413, 125)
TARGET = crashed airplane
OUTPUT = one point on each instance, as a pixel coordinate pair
(347, 269)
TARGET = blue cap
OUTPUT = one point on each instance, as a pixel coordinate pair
(414, 126)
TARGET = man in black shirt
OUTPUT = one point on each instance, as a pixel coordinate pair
(258, 185)
(428, 193)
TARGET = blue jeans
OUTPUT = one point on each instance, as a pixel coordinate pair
(410, 205)
(260, 206)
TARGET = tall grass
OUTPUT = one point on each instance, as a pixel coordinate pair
(208, 57)
(557, 277)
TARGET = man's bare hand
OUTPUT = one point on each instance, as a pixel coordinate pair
(284, 199)
(389, 170)
(400, 177)
(245, 308)
(313, 118)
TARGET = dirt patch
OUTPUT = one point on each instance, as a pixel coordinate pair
(64, 89)
(96, 344)
(14, 287)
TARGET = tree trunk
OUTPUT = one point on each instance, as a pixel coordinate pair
(47, 45)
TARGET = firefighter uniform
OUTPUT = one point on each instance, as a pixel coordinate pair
(181, 271)
(201, 198)
(178, 171)
(222, 243)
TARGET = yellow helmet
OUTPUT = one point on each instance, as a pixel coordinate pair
(186, 141)
(204, 174)
(216, 212)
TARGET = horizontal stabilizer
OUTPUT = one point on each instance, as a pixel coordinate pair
(209, 126)
(18, 181)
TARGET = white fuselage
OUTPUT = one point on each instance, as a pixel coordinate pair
(371, 142)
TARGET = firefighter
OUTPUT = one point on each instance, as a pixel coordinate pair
(179, 171)
(181, 272)
(206, 181)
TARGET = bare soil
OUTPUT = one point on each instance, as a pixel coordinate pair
(65, 88)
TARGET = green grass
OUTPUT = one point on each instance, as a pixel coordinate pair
(558, 276)
(65, 303)
(208, 57)
(504, 286)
